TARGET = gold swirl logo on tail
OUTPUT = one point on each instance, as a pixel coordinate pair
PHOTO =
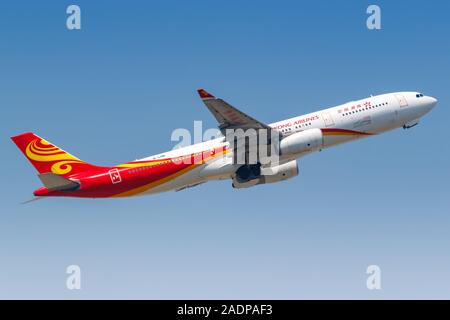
(43, 151)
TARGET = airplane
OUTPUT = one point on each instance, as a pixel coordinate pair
(64, 175)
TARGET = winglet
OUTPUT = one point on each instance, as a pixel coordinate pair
(204, 94)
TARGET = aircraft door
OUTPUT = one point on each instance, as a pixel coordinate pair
(401, 100)
(327, 119)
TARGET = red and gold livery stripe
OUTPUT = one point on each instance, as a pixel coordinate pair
(170, 168)
(343, 132)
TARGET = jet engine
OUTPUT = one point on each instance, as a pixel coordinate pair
(305, 141)
(251, 175)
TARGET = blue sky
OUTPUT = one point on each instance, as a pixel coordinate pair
(114, 91)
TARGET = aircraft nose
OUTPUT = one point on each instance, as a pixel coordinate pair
(430, 102)
(433, 101)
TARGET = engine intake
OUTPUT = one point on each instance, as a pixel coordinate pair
(266, 175)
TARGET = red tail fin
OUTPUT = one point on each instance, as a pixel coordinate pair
(46, 157)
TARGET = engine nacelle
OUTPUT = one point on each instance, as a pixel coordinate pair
(306, 141)
(266, 175)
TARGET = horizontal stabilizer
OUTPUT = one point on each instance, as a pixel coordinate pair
(53, 181)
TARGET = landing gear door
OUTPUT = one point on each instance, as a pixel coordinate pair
(401, 100)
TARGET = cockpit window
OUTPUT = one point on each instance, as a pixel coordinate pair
(419, 95)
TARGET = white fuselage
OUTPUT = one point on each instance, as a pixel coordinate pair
(342, 123)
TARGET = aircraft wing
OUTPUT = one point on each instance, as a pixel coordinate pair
(228, 116)
(230, 119)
